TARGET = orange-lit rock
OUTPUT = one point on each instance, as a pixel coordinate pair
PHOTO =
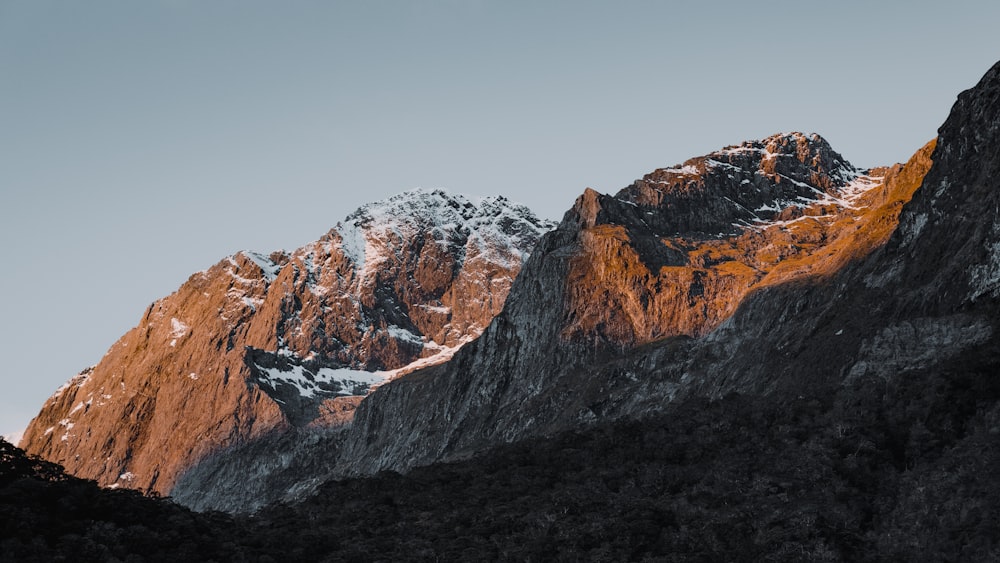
(782, 208)
(259, 344)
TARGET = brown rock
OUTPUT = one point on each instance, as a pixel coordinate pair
(631, 283)
(242, 349)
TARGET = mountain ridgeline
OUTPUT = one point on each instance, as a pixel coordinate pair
(264, 344)
(605, 319)
(772, 269)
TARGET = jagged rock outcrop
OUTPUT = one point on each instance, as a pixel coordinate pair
(608, 313)
(772, 267)
(927, 300)
(603, 319)
(875, 287)
(258, 345)
(611, 305)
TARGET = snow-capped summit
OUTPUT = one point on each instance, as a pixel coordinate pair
(489, 228)
(262, 341)
(751, 184)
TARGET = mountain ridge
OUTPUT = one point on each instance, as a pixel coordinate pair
(499, 411)
(846, 339)
(259, 343)
(663, 290)
(517, 379)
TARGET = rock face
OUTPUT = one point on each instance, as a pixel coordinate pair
(772, 268)
(839, 282)
(606, 316)
(926, 301)
(613, 305)
(262, 344)
(671, 255)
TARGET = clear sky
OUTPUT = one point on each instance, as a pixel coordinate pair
(143, 141)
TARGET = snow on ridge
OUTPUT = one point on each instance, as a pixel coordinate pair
(763, 146)
(266, 265)
(435, 209)
(78, 380)
(685, 169)
(847, 197)
(449, 217)
(858, 186)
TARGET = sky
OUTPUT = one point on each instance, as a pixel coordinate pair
(141, 142)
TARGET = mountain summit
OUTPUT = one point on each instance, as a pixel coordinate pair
(679, 363)
(666, 260)
(259, 343)
(613, 304)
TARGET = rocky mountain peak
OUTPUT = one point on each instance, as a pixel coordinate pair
(724, 192)
(675, 252)
(260, 342)
(628, 284)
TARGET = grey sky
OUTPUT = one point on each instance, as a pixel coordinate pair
(143, 141)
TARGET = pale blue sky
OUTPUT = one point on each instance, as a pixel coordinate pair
(143, 141)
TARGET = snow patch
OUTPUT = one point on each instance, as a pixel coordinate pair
(686, 169)
(317, 383)
(493, 225)
(436, 309)
(266, 265)
(178, 330)
(309, 383)
(252, 303)
(353, 243)
(65, 423)
(79, 406)
(76, 381)
(847, 197)
(400, 333)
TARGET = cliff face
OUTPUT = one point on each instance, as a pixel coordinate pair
(676, 252)
(859, 283)
(773, 267)
(606, 316)
(260, 344)
(613, 305)
(925, 302)
(612, 315)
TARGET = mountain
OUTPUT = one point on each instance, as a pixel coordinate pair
(638, 294)
(599, 318)
(806, 371)
(839, 286)
(261, 344)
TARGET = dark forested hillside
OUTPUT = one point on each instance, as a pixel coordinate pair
(880, 471)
